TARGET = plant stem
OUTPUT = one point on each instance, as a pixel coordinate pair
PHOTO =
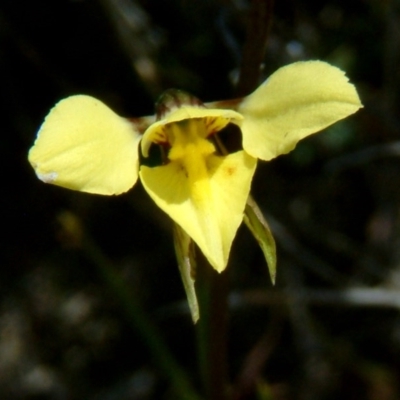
(259, 24)
(212, 289)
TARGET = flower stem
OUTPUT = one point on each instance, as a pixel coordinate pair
(259, 24)
(212, 289)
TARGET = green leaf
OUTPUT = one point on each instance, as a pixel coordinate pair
(261, 231)
(185, 254)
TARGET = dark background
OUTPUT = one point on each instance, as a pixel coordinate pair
(333, 205)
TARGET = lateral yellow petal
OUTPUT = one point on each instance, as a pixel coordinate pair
(296, 101)
(83, 145)
(211, 209)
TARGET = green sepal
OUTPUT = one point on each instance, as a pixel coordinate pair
(261, 231)
(185, 254)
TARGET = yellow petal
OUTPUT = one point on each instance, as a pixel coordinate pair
(215, 120)
(211, 209)
(83, 145)
(296, 101)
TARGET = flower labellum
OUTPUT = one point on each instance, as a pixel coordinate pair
(83, 145)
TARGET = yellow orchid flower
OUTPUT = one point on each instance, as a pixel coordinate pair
(83, 145)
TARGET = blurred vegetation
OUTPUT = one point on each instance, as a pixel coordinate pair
(329, 329)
